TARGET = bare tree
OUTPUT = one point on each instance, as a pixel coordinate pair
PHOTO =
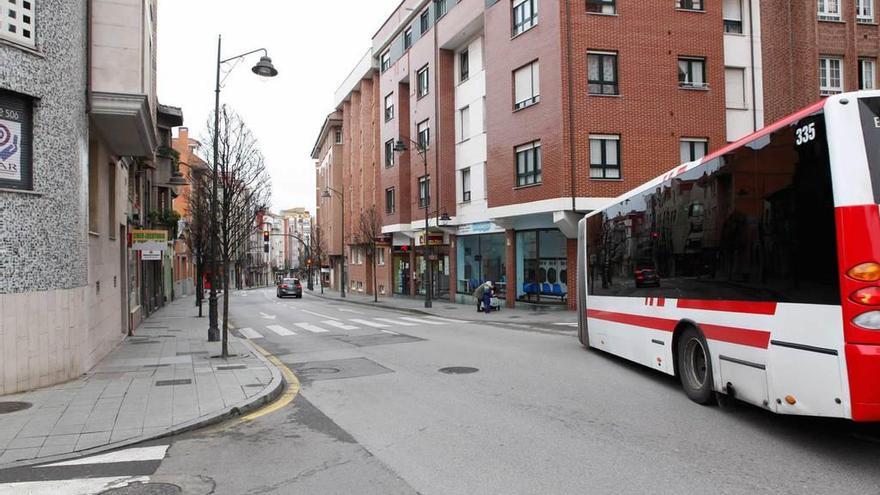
(198, 197)
(319, 251)
(368, 233)
(244, 190)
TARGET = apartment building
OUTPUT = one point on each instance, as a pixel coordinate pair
(505, 121)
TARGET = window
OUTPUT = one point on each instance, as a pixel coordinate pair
(830, 76)
(16, 136)
(380, 256)
(94, 184)
(735, 87)
(424, 133)
(17, 21)
(602, 6)
(424, 191)
(464, 119)
(407, 38)
(338, 136)
(464, 66)
(389, 153)
(605, 157)
(423, 82)
(602, 73)
(389, 107)
(689, 4)
(389, 200)
(865, 11)
(466, 185)
(528, 164)
(527, 86)
(441, 8)
(867, 77)
(692, 72)
(424, 22)
(386, 60)
(691, 149)
(111, 201)
(829, 10)
(525, 15)
(732, 11)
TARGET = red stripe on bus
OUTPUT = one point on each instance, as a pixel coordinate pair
(733, 335)
(754, 308)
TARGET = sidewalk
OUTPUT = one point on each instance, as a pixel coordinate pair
(543, 319)
(160, 382)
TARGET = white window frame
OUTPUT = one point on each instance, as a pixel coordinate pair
(865, 11)
(389, 106)
(828, 10)
(424, 127)
(380, 256)
(466, 192)
(867, 73)
(534, 92)
(389, 153)
(423, 90)
(532, 172)
(742, 102)
(825, 75)
(601, 163)
(464, 123)
(689, 83)
(733, 20)
(20, 29)
(337, 136)
(523, 23)
(385, 61)
(681, 5)
(692, 143)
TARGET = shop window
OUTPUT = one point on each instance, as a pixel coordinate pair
(482, 258)
(542, 266)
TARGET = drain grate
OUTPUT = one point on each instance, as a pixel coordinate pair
(145, 489)
(458, 370)
(318, 371)
(192, 353)
(338, 368)
(11, 407)
(232, 367)
(155, 365)
(181, 381)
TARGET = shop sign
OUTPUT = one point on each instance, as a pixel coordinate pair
(479, 228)
(151, 255)
(383, 240)
(433, 239)
(149, 240)
(16, 167)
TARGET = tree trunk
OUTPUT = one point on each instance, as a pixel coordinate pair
(225, 350)
(200, 290)
(375, 278)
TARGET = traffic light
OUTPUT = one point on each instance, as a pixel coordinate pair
(265, 241)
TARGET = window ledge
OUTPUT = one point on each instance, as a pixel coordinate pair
(530, 105)
(517, 35)
(867, 23)
(25, 48)
(527, 186)
(835, 21)
(604, 14)
(694, 11)
(739, 35)
(94, 234)
(606, 180)
(424, 95)
(694, 88)
(599, 95)
(20, 191)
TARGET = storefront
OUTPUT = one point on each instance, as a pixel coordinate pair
(400, 270)
(438, 263)
(541, 266)
(480, 257)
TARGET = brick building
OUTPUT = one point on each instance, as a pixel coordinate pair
(505, 121)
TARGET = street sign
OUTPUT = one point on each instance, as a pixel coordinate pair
(151, 255)
(149, 240)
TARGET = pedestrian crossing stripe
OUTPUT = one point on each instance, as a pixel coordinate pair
(422, 321)
(138, 454)
(281, 331)
(369, 323)
(311, 328)
(447, 320)
(397, 322)
(250, 333)
(79, 485)
(339, 324)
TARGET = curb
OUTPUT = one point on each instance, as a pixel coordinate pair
(266, 396)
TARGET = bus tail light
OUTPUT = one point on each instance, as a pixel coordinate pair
(869, 320)
(869, 296)
(865, 272)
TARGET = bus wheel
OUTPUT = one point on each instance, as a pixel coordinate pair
(695, 366)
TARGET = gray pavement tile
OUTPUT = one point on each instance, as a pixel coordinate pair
(125, 434)
(26, 442)
(13, 455)
(89, 440)
(50, 450)
(56, 440)
(67, 428)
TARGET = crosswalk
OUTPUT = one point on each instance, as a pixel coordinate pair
(336, 324)
(119, 469)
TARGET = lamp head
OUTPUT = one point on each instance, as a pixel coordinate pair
(326, 193)
(264, 68)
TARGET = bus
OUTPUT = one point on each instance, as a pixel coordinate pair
(765, 263)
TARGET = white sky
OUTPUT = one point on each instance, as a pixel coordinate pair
(313, 44)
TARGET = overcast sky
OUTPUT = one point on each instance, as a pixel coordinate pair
(313, 44)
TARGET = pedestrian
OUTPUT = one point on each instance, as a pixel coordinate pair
(478, 295)
(487, 297)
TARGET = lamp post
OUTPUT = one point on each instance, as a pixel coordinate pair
(326, 194)
(263, 68)
(400, 147)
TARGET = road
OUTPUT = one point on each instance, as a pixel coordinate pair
(540, 415)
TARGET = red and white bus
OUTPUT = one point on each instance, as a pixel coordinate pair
(754, 271)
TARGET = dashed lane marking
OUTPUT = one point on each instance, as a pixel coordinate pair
(422, 321)
(311, 328)
(398, 322)
(369, 323)
(447, 320)
(389, 331)
(250, 333)
(319, 315)
(339, 324)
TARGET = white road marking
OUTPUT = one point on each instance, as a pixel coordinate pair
(311, 328)
(418, 320)
(339, 324)
(138, 454)
(74, 486)
(447, 320)
(369, 323)
(250, 333)
(347, 310)
(389, 331)
(566, 324)
(397, 322)
(280, 330)
(319, 314)
(268, 317)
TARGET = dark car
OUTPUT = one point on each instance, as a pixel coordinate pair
(289, 287)
(645, 274)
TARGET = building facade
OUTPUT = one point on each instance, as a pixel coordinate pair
(499, 124)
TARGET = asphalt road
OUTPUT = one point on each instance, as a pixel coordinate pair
(541, 415)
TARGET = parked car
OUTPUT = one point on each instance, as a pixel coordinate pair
(289, 287)
(646, 274)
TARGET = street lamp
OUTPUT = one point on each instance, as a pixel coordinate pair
(326, 194)
(400, 147)
(264, 68)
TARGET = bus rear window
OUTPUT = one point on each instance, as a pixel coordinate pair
(869, 108)
(756, 224)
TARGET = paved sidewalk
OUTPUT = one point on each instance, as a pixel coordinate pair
(535, 317)
(162, 381)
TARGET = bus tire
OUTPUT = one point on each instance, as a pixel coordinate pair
(695, 366)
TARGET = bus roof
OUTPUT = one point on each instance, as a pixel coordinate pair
(680, 169)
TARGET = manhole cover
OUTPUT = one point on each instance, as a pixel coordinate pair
(458, 370)
(145, 489)
(11, 407)
(318, 371)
